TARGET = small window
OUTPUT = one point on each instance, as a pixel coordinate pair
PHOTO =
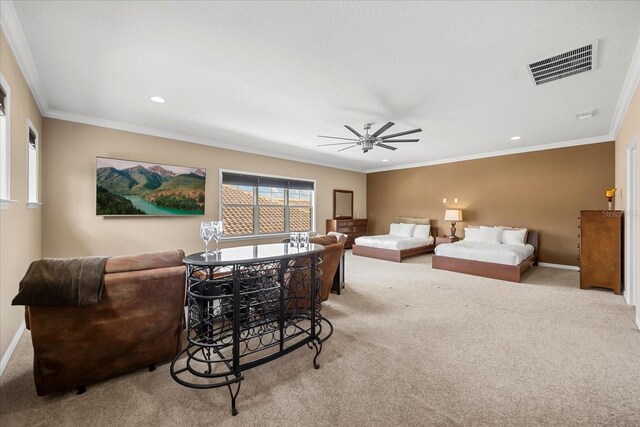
(33, 148)
(5, 141)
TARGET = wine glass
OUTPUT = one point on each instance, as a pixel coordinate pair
(218, 232)
(206, 233)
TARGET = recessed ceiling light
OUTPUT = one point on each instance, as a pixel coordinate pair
(385, 160)
(515, 138)
(158, 99)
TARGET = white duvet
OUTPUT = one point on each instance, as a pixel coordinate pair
(389, 241)
(486, 252)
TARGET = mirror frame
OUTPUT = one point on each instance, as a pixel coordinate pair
(335, 193)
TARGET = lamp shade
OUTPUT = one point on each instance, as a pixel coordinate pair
(453, 215)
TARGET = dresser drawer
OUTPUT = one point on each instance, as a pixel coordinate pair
(353, 228)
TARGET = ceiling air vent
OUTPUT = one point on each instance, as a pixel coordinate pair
(585, 114)
(566, 64)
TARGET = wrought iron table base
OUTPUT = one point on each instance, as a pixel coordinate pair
(245, 313)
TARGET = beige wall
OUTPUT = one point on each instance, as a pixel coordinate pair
(20, 227)
(543, 190)
(629, 130)
(70, 224)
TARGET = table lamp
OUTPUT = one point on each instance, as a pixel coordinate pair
(453, 215)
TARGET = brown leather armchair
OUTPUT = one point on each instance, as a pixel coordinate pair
(333, 250)
(138, 323)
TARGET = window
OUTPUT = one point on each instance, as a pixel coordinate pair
(5, 141)
(253, 205)
(33, 148)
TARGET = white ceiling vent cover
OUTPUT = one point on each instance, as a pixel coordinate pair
(566, 64)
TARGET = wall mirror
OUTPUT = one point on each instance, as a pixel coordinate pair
(342, 204)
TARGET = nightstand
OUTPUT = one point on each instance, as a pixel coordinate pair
(442, 239)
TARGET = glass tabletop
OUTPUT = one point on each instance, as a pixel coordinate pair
(255, 253)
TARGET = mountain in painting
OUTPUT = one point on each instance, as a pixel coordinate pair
(114, 180)
(146, 180)
(185, 191)
(165, 174)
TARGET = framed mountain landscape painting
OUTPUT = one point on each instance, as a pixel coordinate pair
(127, 187)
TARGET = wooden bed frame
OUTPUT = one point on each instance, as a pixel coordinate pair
(395, 254)
(512, 273)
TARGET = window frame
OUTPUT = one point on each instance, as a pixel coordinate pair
(256, 206)
(33, 202)
(5, 149)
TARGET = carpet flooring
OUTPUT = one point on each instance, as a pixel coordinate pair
(412, 346)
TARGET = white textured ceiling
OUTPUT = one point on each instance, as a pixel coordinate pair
(270, 76)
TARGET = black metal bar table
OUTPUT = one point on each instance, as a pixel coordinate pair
(247, 306)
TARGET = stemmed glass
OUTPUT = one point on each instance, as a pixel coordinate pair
(206, 233)
(218, 232)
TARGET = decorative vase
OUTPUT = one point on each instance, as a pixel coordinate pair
(610, 193)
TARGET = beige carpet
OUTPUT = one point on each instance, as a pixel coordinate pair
(412, 346)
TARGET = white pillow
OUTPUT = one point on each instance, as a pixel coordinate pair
(514, 237)
(472, 235)
(402, 230)
(491, 234)
(394, 228)
(422, 231)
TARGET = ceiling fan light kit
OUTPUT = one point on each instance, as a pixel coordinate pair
(366, 142)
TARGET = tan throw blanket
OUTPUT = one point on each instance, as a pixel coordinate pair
(62, 282)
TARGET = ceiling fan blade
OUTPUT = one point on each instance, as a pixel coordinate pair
(407, 132)
(388, 147)
(401, 140)
(353, 130)
(337, 137)
(346, 148)
(334, 143)
(383, 129)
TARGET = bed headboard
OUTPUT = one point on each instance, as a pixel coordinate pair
(532, 239)
(425, 221)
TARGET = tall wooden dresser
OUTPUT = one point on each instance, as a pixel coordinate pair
(601, 250)
(351, 227)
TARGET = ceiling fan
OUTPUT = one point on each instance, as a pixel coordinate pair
(366, 142)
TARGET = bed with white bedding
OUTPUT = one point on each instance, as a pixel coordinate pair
(389, 241)
(487, 252)
(497, 252)
(410, 237)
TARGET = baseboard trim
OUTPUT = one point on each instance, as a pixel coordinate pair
(12, 346)
(560, 266)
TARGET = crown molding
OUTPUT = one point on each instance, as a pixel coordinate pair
(543, 147)
(12, 30)
(628, 90)
(128, 127)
